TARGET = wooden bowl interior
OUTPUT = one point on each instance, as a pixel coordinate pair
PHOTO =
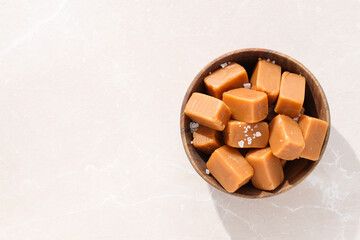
(315, 105)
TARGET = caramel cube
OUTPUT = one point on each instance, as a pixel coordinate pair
(292, 94)
(224, 79)
(246, 105)
(268, 172)
(285, 139)
(314, 131)
(229, 168)
(246, 135)
(266, 78)
(207, 111)
(206, 139)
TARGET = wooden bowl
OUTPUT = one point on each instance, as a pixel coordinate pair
(315, 105)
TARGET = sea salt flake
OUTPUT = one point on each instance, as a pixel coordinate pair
(297, 118)
(249, 140)
(258, 134)
(210, 73)
(273, 61)
(268, 59)
(247, 85)
(280, 140)
(256, 126)
(191, 142)
(246, 135)
(194, 126)
(207, 171)
(223, 65)
(241, 143)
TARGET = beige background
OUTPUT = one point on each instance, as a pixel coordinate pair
(90, 96)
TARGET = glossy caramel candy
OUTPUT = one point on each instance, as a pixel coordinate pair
(207, 111)
(268, 171)
(314, 131)
(230, 77)
(292, 94)
(206, 139)
(266, 78)
(246, 105)
(285, 139)
(229, 168)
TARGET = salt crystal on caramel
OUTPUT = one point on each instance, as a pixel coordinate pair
(246, 135)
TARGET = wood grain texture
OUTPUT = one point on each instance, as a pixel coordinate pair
(315, 105)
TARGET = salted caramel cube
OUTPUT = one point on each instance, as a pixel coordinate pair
(268, 172)
(285, 139)
(246, 105)
(246, 135)
(206, 139)
(292, 94)
(224, 79)
(207, 111)
(283, 162)
(266, 78)
(229, 168)
(314, 131)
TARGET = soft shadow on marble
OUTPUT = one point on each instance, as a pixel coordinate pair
(324, 206)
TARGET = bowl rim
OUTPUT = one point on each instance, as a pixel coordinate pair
(189, 92)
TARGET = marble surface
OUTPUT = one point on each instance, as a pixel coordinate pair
(90, 96)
